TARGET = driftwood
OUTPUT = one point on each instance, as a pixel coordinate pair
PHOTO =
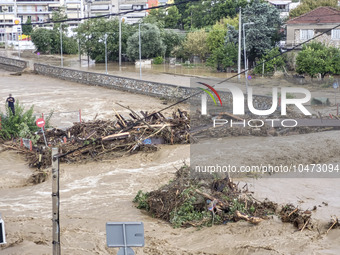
(220, 204)
(251, 219)
(231, 116)
(103, 139)
(335, 222)
(116, 136)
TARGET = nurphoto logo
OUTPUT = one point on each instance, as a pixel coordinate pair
(238, 100)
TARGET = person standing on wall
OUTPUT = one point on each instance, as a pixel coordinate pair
(10, 100)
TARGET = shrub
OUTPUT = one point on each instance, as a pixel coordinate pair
(158, 60)
(22, 124)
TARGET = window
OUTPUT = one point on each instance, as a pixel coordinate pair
(306, 34)
(336, 34)
(10, 8)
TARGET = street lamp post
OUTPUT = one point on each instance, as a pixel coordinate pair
(105, 37)
(140, 55)
(120, 36)
(61, 46)
(239, 45)
(5, 34)
(89, 2)
(245, 54)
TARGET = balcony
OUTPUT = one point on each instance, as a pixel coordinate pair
(30, 1)
(34, 12)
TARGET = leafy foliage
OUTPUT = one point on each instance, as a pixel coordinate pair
(223, 57)
(204, 13)
(187, 212)
(41, 38)
(172, 18)
(272, 65)
(156, 16)
(152, 44)
(195, 44)
(70, 45)
(223, 53)
(265, 32)
(309, 5)
(48, 41)
(27, 28)
(316, 58)
(22, 124)
(158, 60)
(141, 198)
(170, 39)
(91, 37)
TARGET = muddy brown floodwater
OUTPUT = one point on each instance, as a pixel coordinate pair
(95, 193)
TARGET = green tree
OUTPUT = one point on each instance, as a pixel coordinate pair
(223, 57)
(316, 58)
(41, 38)
(151, 43)
(216, 36)
(170, 39)
(91, 37)
(196, 44)
(70, 45)
(264, 33)
(172, 18)
(27, 28)
(309, 5)
(156, 16)
(223, 52)
(271, 65)
(204, 13)
(48, 41)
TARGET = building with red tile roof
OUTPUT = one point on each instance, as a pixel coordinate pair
(320, 20)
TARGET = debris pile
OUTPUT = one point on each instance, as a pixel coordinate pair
(100, 139)
(196, 200)
(300, 219)
(191, 200)
(334, 223)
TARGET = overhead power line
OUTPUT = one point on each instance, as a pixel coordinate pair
(107, 15)
(199, 92)
(190, 96)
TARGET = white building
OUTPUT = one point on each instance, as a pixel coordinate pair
(40, 11)
(284, 6)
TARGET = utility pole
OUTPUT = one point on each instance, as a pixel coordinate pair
(140, 54)
(78, 34)
(105, 37)
(245, 54)
(120, 35)
(5, 31)
(61, 46)
(239, 45)
(88, 15)
(55, 202)
(19, 33)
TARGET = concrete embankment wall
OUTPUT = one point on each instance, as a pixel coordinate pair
(126, 84)
(139, 86)
(13, 65)
(114, 82)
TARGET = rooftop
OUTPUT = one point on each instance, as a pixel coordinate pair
(320, 15)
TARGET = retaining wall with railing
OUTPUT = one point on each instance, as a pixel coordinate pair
(139, 86)
(13, 65)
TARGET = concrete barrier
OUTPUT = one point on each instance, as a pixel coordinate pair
(156, 89)
(11, 64)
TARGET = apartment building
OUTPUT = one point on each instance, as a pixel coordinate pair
(40, 11)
